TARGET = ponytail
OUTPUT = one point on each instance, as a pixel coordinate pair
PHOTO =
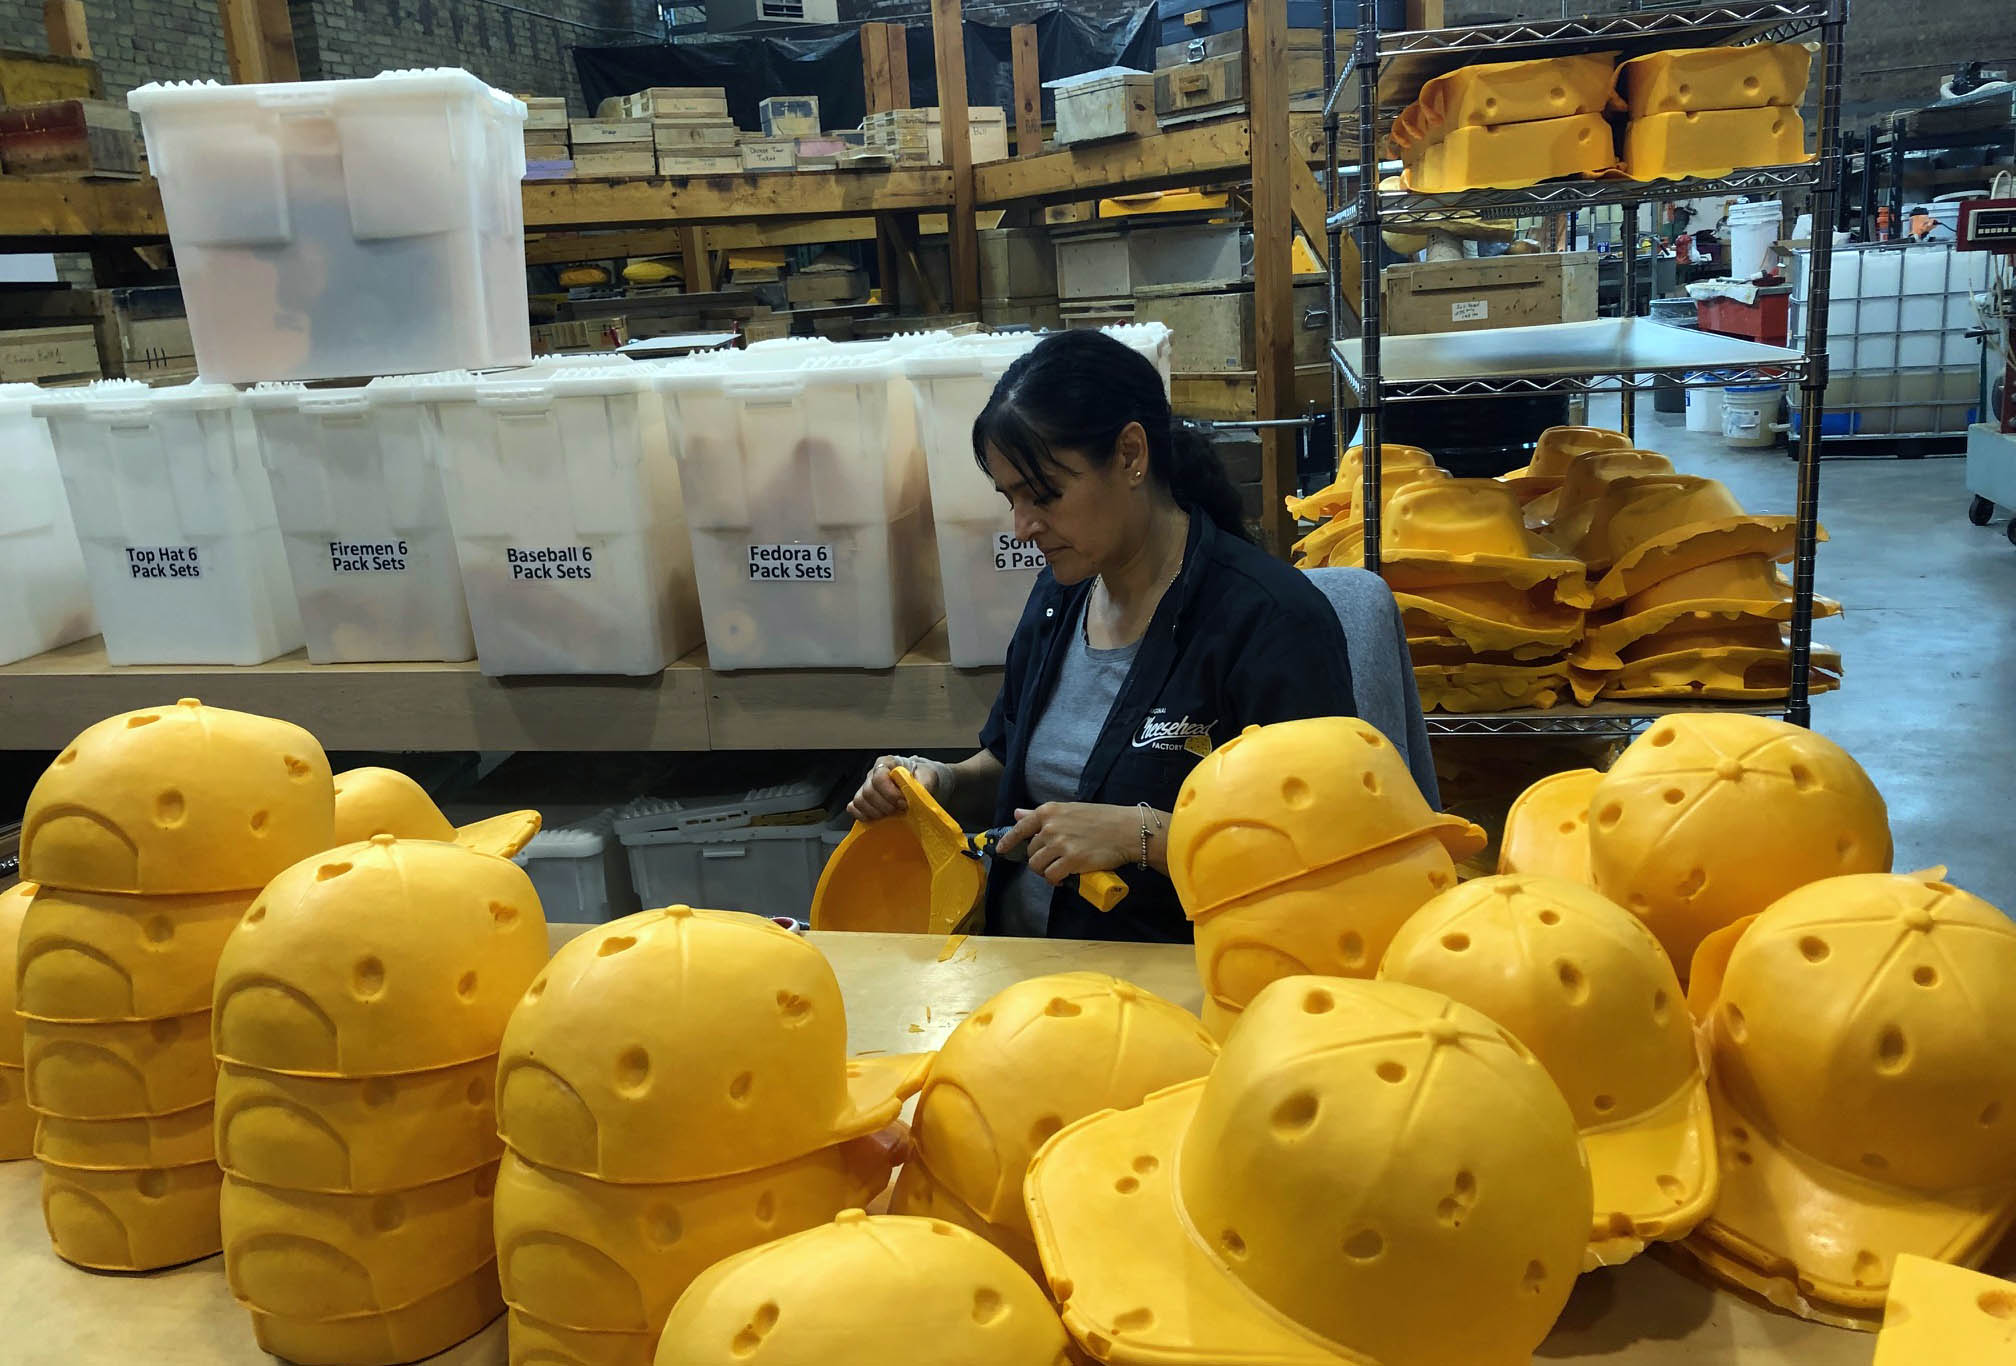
(1077, 391)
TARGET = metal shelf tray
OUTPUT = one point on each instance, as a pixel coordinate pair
(1621, 719)
(1563, 196)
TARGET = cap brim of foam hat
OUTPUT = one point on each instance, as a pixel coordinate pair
(876, 1089)
(919, 1192)
(1534, 840)
(1678, 549)
(1655, 1176)
(504, 836)
(1602, 642)
(1131, 1279)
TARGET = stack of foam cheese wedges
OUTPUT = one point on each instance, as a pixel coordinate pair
(360, 1007)
(148, 838)
(674, 1089)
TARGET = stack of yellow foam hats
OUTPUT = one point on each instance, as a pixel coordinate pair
(1302, 847)
(1936, 1312)
(1862, 1033)
(1034, 1058)
(864, 1291)
(1371, 1172)
(384, 801)
(674, 1089)
(1707, 111)
(1707, 818)
(1554, 451)
(17, 1121)
(1506, 125)
(359, 1010)
(1339, 541)
(148, 837)
(1563, 513)
(1582, 983)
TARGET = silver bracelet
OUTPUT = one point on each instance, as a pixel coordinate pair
(1146, 812)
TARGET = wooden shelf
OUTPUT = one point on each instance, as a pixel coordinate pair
(1196, 154)
(922, 703)
(39, 211)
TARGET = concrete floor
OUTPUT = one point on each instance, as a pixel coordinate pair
(1927, 635)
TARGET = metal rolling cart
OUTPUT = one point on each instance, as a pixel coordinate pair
(1623, 354)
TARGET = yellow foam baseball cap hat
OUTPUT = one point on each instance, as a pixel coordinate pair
(1470, 531)
(423, 1329)
(13, 910)
(1742, 587)
(184, 798)
(97, 956)
(17, 1121)
(1547, 827)
(384, 801)
(1340, 542)
(1677, 524)
(1707, 818)
(379, 958)
(1491, 618)
(534, 1342)
(1862, 1042)
(132, 1220)
(1582, 983)
(681, 1045)
(589, 1256)
(1371, 1173)
(1936, 1313)
(119, 1069)
(861, 1291)
(1554, 451)
(1276, 802)
(181, 1139)
(1341, 493)
(1566, 514)
(908, 874)
(919, 1192)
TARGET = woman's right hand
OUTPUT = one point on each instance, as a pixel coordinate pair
(879, 798)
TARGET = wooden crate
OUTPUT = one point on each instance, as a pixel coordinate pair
(682, 164)
(1116, 106)
(590, 161)
(789, 116)
(70, 137)
(1215, 82)
(38, 77)
(710, 138)
(768, 154)
(587, 132)
(661, 100)
(1494, 291)
(49, 354)
(1040, 314)
(825, 286)
(1212, 332)
(545, 113)
(1305, 58)
(1018, 263)
(986, 133)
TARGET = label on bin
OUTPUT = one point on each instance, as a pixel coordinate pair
(163, 562)
(549, 562)
(367, 557)
(1011, 554)
(792, 563)
(1470, 311)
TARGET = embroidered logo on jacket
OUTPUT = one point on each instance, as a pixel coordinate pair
(1181, 733)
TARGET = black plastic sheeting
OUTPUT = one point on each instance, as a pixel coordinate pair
(826, 61)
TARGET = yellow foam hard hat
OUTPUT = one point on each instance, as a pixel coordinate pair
(1033, 1058)
(592, 1257)
(1276, 802)
(176, 1140)
(129, 1220)
(315, 1257)
(177, 799)
(379, 958)
(919, 1192)
(345, 1136)
(116, 956)
(909, 874)
(1481, 686)
(534, 1342)
(863, 1291)
(1492, 618)
(1554, 451)
(1707, 818)
(1677, 524)
(418, 1330)
(13, 910)
(17, 1121)
(1747, 587)
(608, 1072)
(127, 1069)
(1372, 1172)
(1936, 1314)
(384, 801)
(1582, 983)
(1469, 531)
(1333, 922)
(1341, 493)
(1547, 829)
(1862, 1034)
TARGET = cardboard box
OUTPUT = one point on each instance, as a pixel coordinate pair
(769, 154)
(1492, 291)
(70, 137)
(1018, 263)
(586, 132)
(825, 286)
(1114, 104)
(49, 354)
(1212, 331)
(686, 165)
(621, 161)
(789, 116)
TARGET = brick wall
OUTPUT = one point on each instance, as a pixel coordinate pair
(134, 41)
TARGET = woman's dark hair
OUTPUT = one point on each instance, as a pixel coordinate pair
(1077, 391)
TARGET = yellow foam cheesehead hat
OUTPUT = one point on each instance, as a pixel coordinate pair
(918, 1192)
(377, 959)
(177, 799)
(181, 1139)
(124, 1069)
(909, 874)
(17, 1121)
(1675, 524)
(1279, 801)
(1341, 494)
(1340, 542)
(99, 956)
(1565, 515)
(1936, 1313)
(534, 1342)
(589, 1256)
(1742, 587)
(1491, 618)
(1555, 450)
(1371, 1173)
(862, 1291)
(1033, 1058)
(1734, 673)
(680, 1045)
(1862, 1034)
(1547, 829)
(1582, 983)
(1705, 819)
(384, 801)
(127, 1220)
(1470, 531)
(419, 1330)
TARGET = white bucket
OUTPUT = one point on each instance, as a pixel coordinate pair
(1750, 414)
(1704, 409)
(1752, 230)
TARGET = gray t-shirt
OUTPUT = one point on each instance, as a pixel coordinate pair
(1087, 685)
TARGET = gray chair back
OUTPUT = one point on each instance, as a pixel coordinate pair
(1382, 672)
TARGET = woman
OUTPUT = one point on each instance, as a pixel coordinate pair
(1157, 631)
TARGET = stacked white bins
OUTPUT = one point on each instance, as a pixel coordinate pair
(176, 519)
(44, 601)
(987, 572)
(325, 229)
(566, 508)
(365, 524)
(808, 501)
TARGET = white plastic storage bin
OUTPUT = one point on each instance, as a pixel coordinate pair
(44, 600)
(176, 519)
(325, 229)
(808, 502)
(364, 521)
(565, 503)
(580, 872)
(987, 573)
(761, 851)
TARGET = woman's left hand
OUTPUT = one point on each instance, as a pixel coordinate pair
(1075, 837)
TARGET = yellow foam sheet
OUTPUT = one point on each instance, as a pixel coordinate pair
(1491, 687)
(1697, 78)
(1712, 142)
(1937, 1313)
(1512, 156)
